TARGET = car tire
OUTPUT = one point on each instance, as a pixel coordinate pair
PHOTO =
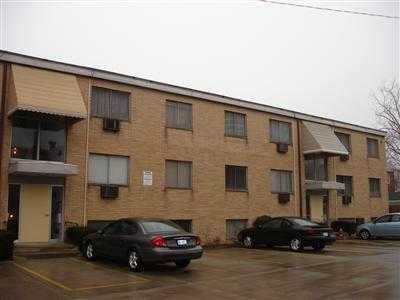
(364, 234)
(135, 262)
(296, 244)
(318, 246)
(182, 263)
(89, 251)
(248, 242)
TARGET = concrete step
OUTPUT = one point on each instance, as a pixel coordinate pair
(51, 254)
(45, 250)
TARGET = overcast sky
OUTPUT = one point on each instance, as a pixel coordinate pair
(313, 61)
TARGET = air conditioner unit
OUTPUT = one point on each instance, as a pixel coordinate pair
(344, 157)
(109, 191)
(283, 198)
(282, 148)
(111, 125)
(346, 200)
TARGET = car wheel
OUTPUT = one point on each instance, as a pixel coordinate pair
(365, 235)
(318, 246)
(135, 263)
(296, 244)
(182, 263)
(248, 242)
(89, 252)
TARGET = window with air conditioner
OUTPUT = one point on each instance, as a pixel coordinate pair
(110, 104)
(281, 181)
(280, 132)
(108, 169)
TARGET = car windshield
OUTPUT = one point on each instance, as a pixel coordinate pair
(160, 226)
(303, 222)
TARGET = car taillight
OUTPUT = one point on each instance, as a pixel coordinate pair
(198, 241)
(311, 232)
(158, 241)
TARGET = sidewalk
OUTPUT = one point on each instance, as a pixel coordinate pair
(375, 242)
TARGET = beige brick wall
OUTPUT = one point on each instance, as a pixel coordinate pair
(361, 168)
(148, 143)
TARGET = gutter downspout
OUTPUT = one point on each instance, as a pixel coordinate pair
(2, 125)
(87, 152)
(3, 110)
(299, 162)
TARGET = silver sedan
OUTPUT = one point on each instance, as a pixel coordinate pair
(384, 226)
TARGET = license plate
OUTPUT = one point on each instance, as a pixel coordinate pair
(181, 242)
(325, 234)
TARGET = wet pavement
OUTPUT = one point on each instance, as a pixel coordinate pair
(346, 270)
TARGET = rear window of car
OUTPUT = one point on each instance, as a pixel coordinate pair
(159, 226)
(303, 222)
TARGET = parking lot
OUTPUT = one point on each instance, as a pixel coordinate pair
(355, 270)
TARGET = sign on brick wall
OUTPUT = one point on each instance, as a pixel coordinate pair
(147, 178)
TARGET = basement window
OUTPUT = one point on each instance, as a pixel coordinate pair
(233, 227)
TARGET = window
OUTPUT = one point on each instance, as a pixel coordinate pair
(233, 227)
(303, 222)
(235, 124)
(179, 115)
(348, 185)
(128, 228)
(273, 224)
(110, 104)
(316, 167)
(184, 224)
(374, 187)
(372, 148)
(235, 178)
(395, 218)
(108, 169)
(38, 139)
(281, 181)
(344, 138)
(159, 226)
(280, 132)
(384, 219)
(178, 174)
(113, 228)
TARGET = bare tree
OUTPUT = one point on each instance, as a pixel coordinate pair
(388, 115)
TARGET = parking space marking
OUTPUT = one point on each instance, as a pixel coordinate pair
(69, 289)
(45, 278)
(136, 276)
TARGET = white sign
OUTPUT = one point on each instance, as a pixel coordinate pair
(147, 178)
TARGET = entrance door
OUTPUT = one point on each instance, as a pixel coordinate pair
(56, 212)
(317, 207)
(34, 218)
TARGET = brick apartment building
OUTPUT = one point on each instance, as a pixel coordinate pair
(80, 144)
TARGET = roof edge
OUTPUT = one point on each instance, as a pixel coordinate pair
(43, 63)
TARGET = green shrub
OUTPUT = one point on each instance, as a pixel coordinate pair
(347, 226)
(75, 234)
(261, 220)
(6, 244)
